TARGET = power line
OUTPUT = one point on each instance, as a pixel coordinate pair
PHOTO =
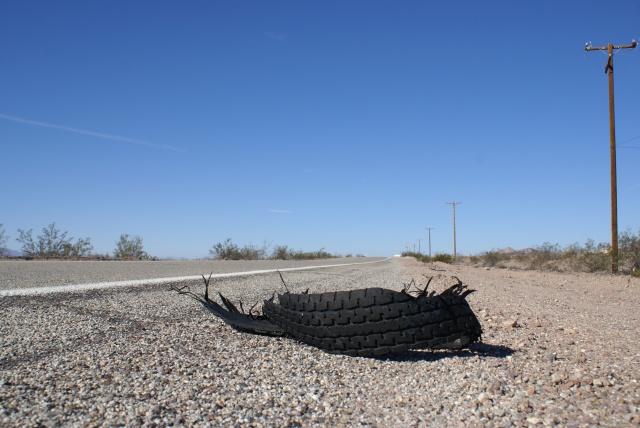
(630, 139)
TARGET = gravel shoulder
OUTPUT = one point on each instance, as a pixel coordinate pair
(558, 349)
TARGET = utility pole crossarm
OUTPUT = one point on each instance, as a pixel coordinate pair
(588, 47)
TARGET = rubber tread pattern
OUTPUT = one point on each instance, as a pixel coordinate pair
(374, 322)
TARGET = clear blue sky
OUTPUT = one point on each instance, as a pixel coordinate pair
(346, 125)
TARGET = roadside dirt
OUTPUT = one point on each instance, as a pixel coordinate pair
(575, 336)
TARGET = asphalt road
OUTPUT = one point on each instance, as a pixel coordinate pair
(24, 274)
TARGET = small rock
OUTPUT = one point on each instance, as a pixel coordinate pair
(556, 378)
(534, 421)
(579, 360)
(529, 392)
(483, 397)
(510, 324)
(573, 381)
(525, 406)
(621, 409)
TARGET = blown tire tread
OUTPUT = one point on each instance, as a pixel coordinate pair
(375, 321)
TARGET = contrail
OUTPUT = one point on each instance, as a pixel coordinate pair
(85, 132)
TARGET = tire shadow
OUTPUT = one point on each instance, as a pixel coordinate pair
(481, 350)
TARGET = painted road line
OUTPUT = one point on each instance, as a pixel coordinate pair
(36, 291)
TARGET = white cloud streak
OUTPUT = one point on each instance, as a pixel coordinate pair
(85, 132)
(279, 37)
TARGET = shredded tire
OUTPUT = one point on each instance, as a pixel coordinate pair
(369, 322)
(374, 322)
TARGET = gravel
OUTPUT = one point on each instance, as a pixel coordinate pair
(558, 349)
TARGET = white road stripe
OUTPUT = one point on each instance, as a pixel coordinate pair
(36, 291)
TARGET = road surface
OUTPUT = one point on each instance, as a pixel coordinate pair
(45, 276)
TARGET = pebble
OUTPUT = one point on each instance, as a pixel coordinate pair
(510, 324)
(483, 397)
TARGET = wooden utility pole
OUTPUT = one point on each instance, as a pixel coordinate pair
(453, 204)
(429, 229)
(419, 250)
(612, 147)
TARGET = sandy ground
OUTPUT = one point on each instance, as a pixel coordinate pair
(575, 339)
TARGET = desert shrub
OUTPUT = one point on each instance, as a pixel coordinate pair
(53, 243)
(228, 250)
(572, 251)
(303, 255)
(544, 255)
(251, 252)
(491, 258)
(130, 248)
(629, 252)
(594, 258)
(418, 256)
(443, 257)
(280, 252)
(3, 239)
(590, 257)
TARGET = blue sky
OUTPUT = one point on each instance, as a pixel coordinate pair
(346, 125)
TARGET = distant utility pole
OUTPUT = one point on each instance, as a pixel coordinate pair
(453, 204)
(612, 147)
(429, 229)
(419, 251)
